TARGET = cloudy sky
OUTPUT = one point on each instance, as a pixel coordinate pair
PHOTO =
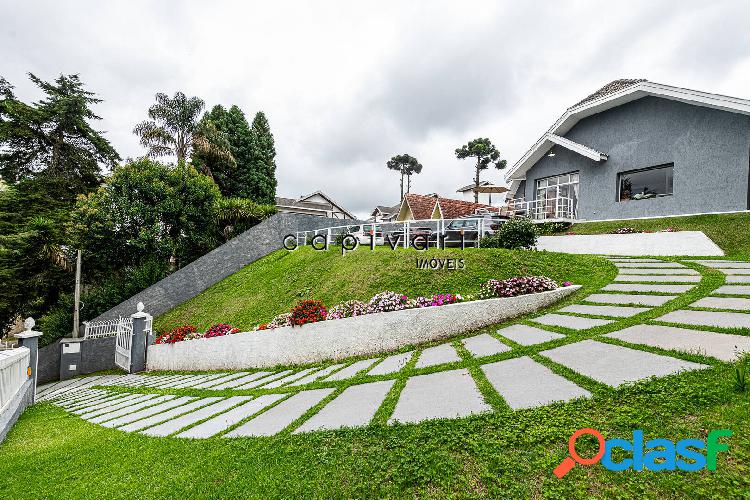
(346, 85)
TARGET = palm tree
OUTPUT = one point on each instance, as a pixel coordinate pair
(172, 127)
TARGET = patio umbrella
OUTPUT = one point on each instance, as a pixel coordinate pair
(490, 188)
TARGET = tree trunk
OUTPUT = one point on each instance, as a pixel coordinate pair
(402, 185)
(476, 184)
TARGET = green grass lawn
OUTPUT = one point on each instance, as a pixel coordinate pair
(730, 231)
(272, 285)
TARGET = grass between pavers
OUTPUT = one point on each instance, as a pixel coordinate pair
(731, 232)
(273, 284)
(504, 453)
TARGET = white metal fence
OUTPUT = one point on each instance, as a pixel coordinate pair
(110, 327)
(544, 209)
(13, 373)
(124, 343)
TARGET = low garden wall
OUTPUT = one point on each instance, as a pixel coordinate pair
(343, 338)
(682, 243)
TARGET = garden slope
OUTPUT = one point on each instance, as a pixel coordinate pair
(273, 284)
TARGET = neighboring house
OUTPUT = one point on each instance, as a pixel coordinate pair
(422, 207)
(635, 148)
(495, 198)
(384, 214)
(317, 203)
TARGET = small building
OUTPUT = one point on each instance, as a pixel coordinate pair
(489, 193)
(317, 203)
(635, 149)
(384, 214)
(423, 207)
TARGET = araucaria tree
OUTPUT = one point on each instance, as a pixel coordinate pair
(406, 165)
(486, 154)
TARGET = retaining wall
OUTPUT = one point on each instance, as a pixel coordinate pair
(684, 243)
(343, 338)
(96, 355)
(22, 400)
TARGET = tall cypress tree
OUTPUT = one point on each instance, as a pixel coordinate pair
(263, 173)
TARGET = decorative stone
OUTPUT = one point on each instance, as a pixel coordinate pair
(447, 394)
(615, 365)
(572, 322)
(354, 407)
(708, 318)
(721, 346)
(639, 287)
(484, 345)
(524, 383)
(613, 311)
(282, 415)
(622, 298)
(443, 353)
(528, 335)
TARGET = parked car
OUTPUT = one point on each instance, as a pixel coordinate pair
(414, 232)
(363, 232)
(469, 226)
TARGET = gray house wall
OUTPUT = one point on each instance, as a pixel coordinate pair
(710, 150)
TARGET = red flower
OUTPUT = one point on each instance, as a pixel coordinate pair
(308, 311)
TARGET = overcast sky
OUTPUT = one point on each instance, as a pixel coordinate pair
(346, 85)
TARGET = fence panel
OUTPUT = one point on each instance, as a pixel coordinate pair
(13, 373)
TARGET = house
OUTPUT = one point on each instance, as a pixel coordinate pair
(423, 207)
(317, 203)
(384, 214)
(636, 148)
(489, 193)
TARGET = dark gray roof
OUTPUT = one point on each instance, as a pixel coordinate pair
(610, 88)
(387, 210)
(291, 202)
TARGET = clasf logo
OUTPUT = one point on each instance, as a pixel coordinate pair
(655, 454)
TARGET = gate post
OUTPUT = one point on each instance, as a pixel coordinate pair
(138, 341)
(29, 338)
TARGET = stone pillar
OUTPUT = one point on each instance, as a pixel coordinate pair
(138, 343)
(70, 357)
(29, 338)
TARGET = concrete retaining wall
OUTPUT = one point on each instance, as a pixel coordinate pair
(684, 243)
(22, 400)
(219, 263)
(343, 338)
(96, 355)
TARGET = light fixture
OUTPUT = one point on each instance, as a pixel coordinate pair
(551, 153)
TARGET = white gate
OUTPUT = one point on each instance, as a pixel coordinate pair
(124, 343)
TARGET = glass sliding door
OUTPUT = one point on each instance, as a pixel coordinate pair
(557, 197)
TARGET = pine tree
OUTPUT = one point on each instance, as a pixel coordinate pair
(263, 174)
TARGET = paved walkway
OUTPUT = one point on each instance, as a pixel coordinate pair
(436, 382)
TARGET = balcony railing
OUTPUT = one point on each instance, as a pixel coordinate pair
(546, 209)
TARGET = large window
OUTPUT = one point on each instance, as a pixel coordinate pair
(645, 183)
(556, 196)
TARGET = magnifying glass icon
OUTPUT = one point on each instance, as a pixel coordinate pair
(566, 465)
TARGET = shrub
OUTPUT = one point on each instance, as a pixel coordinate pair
(439, 299)
(516, 286)
(220, 330)
(184, 332)
(387, 301)
(347, 309)
(515, 234)
(625, 230)
(547, 228)
(307, 311)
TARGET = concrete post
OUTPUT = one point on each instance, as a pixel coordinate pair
(138, 342)
(29, 338)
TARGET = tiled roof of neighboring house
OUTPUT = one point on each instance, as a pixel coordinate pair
(421, 206)
(610, 88)
(453, 209)
(471, 186)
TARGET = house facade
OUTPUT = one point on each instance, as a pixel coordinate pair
(317, 203)
(424, 207)
(638, 149)
(383, 213)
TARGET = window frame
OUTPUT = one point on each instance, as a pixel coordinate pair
(618, 194)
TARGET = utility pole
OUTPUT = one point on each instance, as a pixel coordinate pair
(76, 307)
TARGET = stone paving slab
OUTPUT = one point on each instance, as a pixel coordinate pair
(185, 382)
(732, 290)
(524, 383)
(81, 397)
(634, 259)
(615, 365)
(351, 370)
(528, 335)
(613, 311)
(289, 378)
(354, 407)
(223, 421)
(220, 380)
(147, 412)
(169, 414)
(724, 264)
(109, 415)
(622, 298)
(197, 381)
(240, 381)
(314, 376)
(572, 322)
(264, 380)
(76, 384)
(280, 416)
(721, 346)
(723, 303)
(90, 411)
(48, 391)
(484, 345)
(642, 278)
(649, 264)
(640, 287)
(448, 394)
(158, 381)
(735, 271)
(671, 271)
(77, 405)
(736, 278)
(708, 318)
(174, 425)
(392, 364)
(443, 353)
